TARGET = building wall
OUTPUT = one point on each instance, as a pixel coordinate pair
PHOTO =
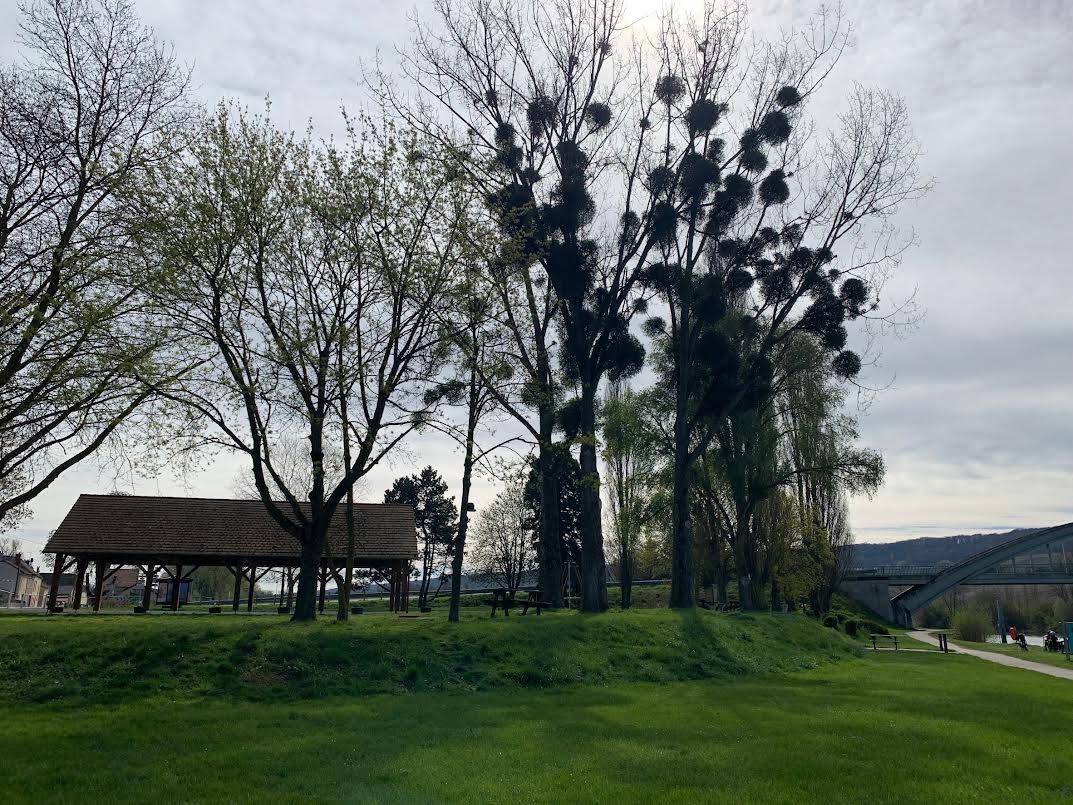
(7, 582)
(29, 587)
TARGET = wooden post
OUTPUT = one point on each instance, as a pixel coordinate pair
(282, 582)
(147, 593)
(54, 587)
(399, 581)
(238, 587)
(177, 583)
(323, 587)
(102, 569)
(394, 587)
(253, 585)
(80, 579)
(290, 588)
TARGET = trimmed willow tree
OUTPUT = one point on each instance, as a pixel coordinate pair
(92, 106)
(307, 280)
(749, 207)
(795, 440)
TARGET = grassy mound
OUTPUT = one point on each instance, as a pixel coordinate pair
(86, 659)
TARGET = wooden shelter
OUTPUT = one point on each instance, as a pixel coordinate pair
(175, 536)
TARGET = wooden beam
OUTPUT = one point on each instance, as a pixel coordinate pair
(176, 586)
(394, 582)
(102, 568)
(54, 586)
(80, 578)
(147, 593)
(253, 584)
(238, 587)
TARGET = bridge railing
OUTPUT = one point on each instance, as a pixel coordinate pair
(1005, 569)
(893, 570)
(1018, 569)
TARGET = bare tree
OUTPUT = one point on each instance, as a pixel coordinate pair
(503, 547)
(530, 92)
(285, 262)
(291, 459)
(480, 382)
(92, 107)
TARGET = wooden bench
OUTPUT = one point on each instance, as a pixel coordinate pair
(532, 599)
(875, 638)
(500, 600)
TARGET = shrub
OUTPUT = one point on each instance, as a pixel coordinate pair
(932, 617)
(831, 622)
(1063, 611)
(871, 627)
(851, 627)
(842, 617)
(972, 625)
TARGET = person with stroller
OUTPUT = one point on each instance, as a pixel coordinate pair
(1052, 642)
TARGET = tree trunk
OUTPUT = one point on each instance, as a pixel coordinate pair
(682, 562)
(463, 513)
(551, 558)
(683, 571)
(593, 564)
(422, 593)
(721, 577)
(748, 594)
(305, 602)
(343, 613)
(626, 576)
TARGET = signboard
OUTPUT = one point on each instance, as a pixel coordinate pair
(163, 591)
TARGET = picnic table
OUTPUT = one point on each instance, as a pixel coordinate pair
(502, 599)
(889, 637)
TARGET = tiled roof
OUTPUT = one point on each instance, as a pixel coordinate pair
(23, 566)
(133, 526)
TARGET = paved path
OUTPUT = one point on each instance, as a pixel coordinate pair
(1001, 659)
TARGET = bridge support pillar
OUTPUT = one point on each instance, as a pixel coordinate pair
(902, 616)
(873, 594)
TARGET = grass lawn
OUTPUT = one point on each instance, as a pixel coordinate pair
(1034, 653)
(87, 659)
(886, 727)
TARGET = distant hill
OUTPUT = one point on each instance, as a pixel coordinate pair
(927, 550)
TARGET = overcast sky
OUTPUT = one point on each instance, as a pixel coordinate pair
(977, 425)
